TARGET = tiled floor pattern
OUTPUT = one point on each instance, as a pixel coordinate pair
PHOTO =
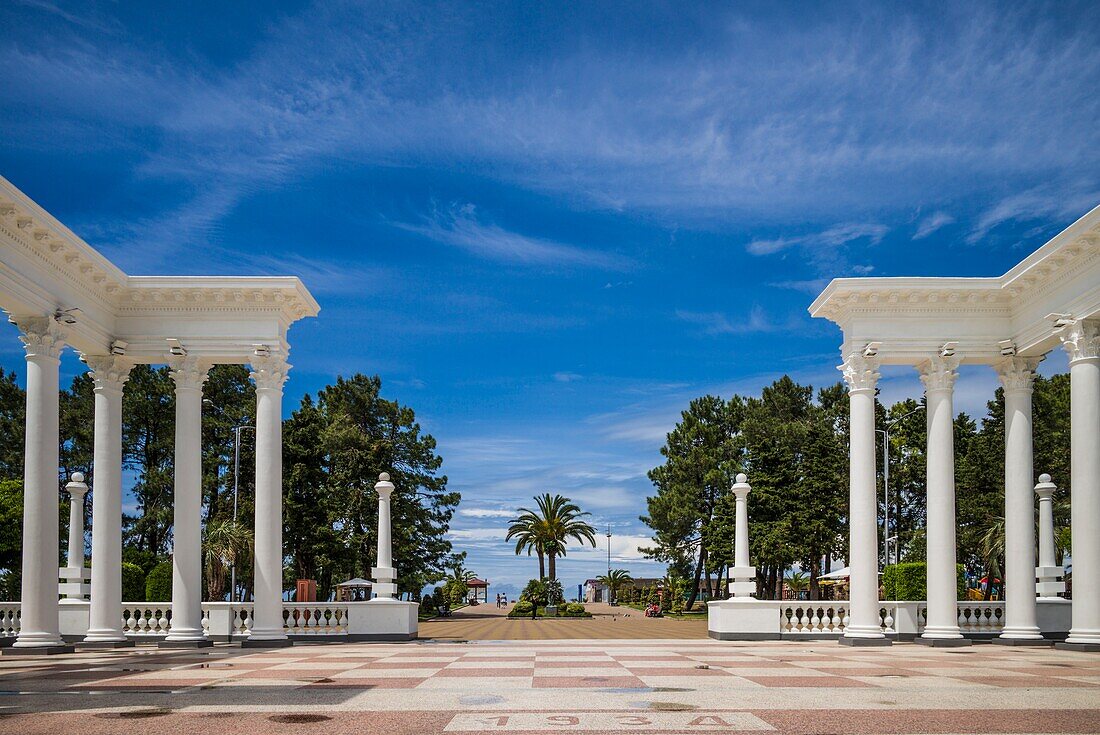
(669, 686)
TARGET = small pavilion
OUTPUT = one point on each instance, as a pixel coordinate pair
(1050, 299)
(479, 589)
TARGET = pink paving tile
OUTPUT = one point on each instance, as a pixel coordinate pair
(668, 657)
(761, 664)
(676, 671)
(806, 681)
(401, 665)
(572, 664)
(367, 683)
(586, 682)
(518, 671)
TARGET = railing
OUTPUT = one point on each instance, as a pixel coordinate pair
(9, 619)
(314, 618)
(146, 619)
(831, 617)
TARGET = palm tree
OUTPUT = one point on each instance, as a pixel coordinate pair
(615, 579)
(797, 581)
(227, 543)
(546, 530)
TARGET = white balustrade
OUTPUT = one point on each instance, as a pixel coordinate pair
(9, 619)
(981, 617)
(822, 617)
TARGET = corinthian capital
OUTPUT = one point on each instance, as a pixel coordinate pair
(270, 373)
(939, 372)
(41, 336)
(189, 373)
(108, 372)
(1017, 373)
(860, 372)
(1081, 339)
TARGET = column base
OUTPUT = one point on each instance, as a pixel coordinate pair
(267, 643)
(1063, 646)
(1034, 642)
(185, 644)
(47, 650)
(105, 644)
(865, 642)
(942, 642)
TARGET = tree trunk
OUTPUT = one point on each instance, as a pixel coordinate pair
(698, 573)
(553, 565)
(815, 570)
(542, 566)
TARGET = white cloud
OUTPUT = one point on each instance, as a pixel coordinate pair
(566, 377)
(1045, 202)
(487, 512)
(834, 236)
(931, 223)
(718, 323)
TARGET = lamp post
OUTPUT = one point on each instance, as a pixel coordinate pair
(608, 563)
(886, 537)
(236, 487)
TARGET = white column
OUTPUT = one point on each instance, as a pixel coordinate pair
(1017, 376)
(384, 574)
(1081, 340)
(1049, 572)
(74, 589)
(864, 625)
(938, 375)
(742, 574)
(109, 375)
(189, 375)
(43, 341)
(269, 374)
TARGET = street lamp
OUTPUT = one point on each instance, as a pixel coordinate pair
(608, 563)
(236, 486)
(886, 537)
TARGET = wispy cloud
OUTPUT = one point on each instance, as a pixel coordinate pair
(1044, 202)
(837, 235)
(757, 320)
(931, 223)
(566, 377)
(460, 227)
(486, 512)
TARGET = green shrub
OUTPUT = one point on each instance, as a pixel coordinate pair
(909, 581)
(133, 583)
(520, 609)
(575, 608)
(158, 585)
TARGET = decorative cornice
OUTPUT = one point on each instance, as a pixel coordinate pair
(270, 373)
(1017, 374)
(1081, 339)
(860, 373)
(108, 372)
(42, 337)
(189, 373)
(939, 372)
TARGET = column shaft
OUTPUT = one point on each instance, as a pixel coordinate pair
(105, 615)
(1083, 345)
(1021, 614)
(269, 375)
(39, 611)
(189, 377)
(864, 622)
(938, 376)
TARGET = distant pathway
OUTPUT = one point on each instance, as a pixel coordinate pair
(487, 623)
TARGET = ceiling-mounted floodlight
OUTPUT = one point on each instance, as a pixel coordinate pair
(261, 350)
(118, 347)
(871, 349)
(1061, 321)
(948, 349)
(175, 348)
(1007, 347)
(66, 316)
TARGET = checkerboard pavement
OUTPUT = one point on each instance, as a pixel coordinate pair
(554, 686)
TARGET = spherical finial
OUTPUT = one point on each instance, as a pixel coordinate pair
(1044, 477)
(742, 478)
(78, 477)
(384, 477)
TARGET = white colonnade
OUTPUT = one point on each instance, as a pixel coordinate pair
(60, 292)
(1009, 323)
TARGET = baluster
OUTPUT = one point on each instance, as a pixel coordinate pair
(248, 619)
(205, 620)
(815, 621)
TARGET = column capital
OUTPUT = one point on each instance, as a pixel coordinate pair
(1081, 339)
(108, 372)
(741, 487)
(384, 487)
(1017, 374)
(1045, 489)
(269, 373)
(41, 336)
(860, 372)
(189, 373)
(939, 372)
(76, 487)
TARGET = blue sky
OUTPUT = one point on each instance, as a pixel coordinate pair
(548, 226)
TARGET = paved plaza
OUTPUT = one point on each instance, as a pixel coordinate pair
(672, 686)
(489, 623)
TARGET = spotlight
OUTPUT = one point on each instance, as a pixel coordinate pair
(948, 349)
(175, 348)
(1007, 347)
(871, 349)
(66, 316)
(261, 350)
(118, 347)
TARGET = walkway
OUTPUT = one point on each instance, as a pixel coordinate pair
(487, 623)
(618, 686)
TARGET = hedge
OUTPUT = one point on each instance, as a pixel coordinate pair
(158, 585)
(909, 581)
(133, 582)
